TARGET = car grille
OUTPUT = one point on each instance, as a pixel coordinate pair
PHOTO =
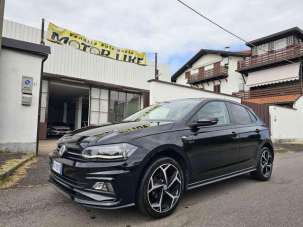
(72, 182)
(73, 152)
(73, 156)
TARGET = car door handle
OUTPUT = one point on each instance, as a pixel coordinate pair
(257, 130)
(234, 134)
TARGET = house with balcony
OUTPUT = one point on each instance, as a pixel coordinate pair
(213, 70)
(274, 70)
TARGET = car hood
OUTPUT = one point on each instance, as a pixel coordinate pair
(115, 133)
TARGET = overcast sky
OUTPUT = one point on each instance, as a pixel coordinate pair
(163, 26)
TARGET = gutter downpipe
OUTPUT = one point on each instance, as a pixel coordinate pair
(39, 106)
(40, 89)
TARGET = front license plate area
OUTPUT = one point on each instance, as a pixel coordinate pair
(57, 167)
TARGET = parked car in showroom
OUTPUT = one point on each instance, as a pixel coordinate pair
(58, 129)
(155, 155)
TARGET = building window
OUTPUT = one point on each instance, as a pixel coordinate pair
(217, 88)
(271, 46)
(254, 51)
(290, 40)
(262, 49)
(122, 104)
(280, 44)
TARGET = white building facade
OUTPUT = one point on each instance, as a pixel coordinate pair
(81, 89)
(212, 70)
(273, 69)
(20, 76)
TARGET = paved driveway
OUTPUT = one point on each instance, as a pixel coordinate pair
(240, 201)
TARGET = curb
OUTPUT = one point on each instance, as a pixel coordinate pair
(10, 168)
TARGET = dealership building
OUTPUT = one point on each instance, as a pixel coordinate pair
(74, 87)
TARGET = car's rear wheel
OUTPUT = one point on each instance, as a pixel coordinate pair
(161, 188)
(264, 165)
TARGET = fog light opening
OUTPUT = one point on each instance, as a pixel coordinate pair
(103, 186)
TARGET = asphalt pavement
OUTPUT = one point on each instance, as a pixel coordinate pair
(241, 201)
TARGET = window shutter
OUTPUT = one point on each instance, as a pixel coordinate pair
(217, 66)
(201, 72)
(217, 88)
(187, 75)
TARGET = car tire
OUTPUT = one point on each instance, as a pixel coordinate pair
(264, 164)
(158, 197)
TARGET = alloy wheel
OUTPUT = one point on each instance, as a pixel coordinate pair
(164, 188)
(266, 163)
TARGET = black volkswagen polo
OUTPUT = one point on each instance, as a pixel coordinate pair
(156, 154)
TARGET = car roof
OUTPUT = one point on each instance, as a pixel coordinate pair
(202, 100)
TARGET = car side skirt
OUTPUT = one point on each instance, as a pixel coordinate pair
(220, 178)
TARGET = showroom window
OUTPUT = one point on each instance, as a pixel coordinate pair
(122, 105)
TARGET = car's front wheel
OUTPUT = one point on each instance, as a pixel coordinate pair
(161, 188)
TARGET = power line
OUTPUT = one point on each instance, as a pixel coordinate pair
(225, 29)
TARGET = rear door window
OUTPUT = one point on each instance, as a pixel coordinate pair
(239, 114)
(253, 116)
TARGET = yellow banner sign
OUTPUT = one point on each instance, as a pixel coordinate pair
(67, 37)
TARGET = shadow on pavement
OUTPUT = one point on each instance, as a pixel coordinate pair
(190, 198)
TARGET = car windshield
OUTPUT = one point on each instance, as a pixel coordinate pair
(165, 111)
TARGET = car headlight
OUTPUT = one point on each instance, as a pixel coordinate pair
(109, 152)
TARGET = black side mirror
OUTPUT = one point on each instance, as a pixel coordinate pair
(204, 122)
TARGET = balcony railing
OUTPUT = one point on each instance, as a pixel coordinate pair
(271, 57)
(207, 75)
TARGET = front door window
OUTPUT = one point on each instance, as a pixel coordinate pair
(214, 110)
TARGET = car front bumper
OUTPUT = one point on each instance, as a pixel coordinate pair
(77, 179)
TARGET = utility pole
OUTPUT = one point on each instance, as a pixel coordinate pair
(156, 67)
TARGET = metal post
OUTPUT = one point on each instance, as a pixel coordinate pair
(156, 67)
(42, 31)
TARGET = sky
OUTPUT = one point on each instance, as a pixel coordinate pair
(163, 26)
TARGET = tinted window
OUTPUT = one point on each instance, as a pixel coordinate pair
(214, 109)
(252, 116)
(239, 114)
(165, 111)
